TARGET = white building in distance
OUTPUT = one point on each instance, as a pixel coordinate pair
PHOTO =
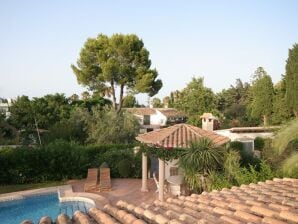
(155, 118)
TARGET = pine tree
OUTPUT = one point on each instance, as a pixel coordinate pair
(292, 80)
(262, 95)
(281, 112)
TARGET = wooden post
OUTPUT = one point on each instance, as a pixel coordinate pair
(144, 173)
(161, 179)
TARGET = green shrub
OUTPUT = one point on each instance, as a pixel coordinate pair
(284, 136)
(253, 174)
(247, 157)
(62, 160)
(266, 172)
(235, 175)
(289, 166)
(247, 175)
(231, 165)
(104, 165)
(125, 168)
(236, 145)
(137, 165)
(259, 143)
(219, 181)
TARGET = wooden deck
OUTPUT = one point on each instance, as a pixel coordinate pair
(124, 189)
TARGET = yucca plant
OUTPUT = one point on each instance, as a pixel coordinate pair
(199, 160)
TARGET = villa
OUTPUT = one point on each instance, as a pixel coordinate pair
(159, 198)
(133, 201)
(245, 135)
(155, 118)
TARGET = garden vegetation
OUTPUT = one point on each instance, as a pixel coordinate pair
(61, 160)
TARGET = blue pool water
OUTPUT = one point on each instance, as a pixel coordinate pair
(34, 207)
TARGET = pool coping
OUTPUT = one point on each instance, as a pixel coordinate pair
(65, 193)
(27, 193)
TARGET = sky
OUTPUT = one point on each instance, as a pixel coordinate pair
(218, 40)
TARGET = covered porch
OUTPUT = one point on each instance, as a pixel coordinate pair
(176, 136)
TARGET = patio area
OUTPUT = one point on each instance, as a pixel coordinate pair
(123, 189)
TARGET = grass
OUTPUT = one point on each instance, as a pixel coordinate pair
(285, 135)
(21, 187)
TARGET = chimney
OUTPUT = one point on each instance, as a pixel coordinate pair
(209, 122)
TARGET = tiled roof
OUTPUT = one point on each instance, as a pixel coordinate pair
(179, 135)
(168, 112)
(141, 111)
(171, 112)
(254, 129)
(270, 202)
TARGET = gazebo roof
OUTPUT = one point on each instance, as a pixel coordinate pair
(179, 136)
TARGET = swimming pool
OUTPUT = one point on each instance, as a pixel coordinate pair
(37, 206)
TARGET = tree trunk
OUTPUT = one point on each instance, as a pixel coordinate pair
(266, 120)
(113, 95)
(120, 98)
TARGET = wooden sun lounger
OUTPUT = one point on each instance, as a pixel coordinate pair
(105, 179)
(91, 183)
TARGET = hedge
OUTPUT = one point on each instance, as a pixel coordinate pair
(62, 160)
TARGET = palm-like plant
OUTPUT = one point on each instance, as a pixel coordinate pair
(286, 148)
(202, 155)
(199, 160)
(285, 136)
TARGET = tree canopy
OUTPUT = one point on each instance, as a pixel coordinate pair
(281, 112)
(262, 95)
(156, 102)
(194, 99)
(122, 61)
(46, 110)
(53, 112)
(232, 102)
(292, 80)
(109, 127)
(129, 101)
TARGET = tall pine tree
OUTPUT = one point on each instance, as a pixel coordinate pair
(292, 80)
(262, 95)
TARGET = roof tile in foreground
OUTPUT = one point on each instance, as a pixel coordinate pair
(270, 202)
(179, 136)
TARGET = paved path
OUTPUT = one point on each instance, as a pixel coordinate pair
(124, 189)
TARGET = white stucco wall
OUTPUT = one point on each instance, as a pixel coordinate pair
(234, 136)
(168, 165)
(158, 119)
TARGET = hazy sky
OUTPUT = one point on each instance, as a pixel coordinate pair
(220, 40)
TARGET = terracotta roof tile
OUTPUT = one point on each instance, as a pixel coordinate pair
(171, 112)
(179, 135)
(141, 111)
(254, 203)
(168, 112)
(291, 216)
(269, 220)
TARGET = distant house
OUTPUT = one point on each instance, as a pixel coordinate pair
(246, 135)
(156, 118)
(4, 107)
